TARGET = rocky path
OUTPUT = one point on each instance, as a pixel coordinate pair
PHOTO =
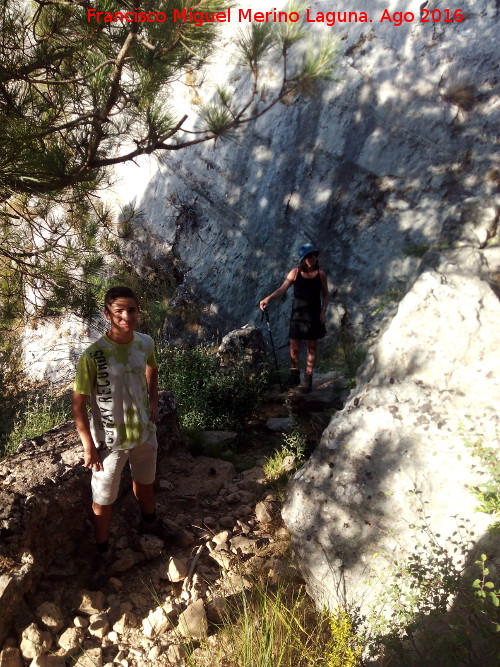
(225, 525)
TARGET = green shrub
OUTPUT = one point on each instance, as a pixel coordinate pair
(33, 415)
(346, 647)
(210, 396)
(442, 613)
(488, 492)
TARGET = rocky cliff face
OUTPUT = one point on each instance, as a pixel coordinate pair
(373, 170)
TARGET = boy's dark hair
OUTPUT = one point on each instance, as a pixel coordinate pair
(121, 291)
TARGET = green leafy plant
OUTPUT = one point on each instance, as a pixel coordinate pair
(436, 607)
(393, 295)
(33, 416)
(346, 646)
(488, 492)
(209, 395)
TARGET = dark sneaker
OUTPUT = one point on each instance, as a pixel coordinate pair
(99, 577)
(307, 384)
(293, 378)
(167, 531)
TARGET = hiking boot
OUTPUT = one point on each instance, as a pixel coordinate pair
(165, 530)
(307, 384)
(293, 378)
(99, 576)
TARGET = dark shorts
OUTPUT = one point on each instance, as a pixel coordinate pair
(305, 330)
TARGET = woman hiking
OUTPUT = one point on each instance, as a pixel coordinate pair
(307, 321)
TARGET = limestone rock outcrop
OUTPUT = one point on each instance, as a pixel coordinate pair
(369, 170)
(398, 463)
(372, 170)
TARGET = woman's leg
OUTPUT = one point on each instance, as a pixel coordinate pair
(312, 346)
(295, 352)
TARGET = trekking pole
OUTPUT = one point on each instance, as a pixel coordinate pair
(266, 315)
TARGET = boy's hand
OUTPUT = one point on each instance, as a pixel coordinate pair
(92, 459)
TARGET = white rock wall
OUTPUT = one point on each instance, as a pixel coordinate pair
(368, 169)
(399, 455)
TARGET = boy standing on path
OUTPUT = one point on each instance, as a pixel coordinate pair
(120, 375)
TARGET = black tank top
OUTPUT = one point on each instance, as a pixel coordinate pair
(306, 297)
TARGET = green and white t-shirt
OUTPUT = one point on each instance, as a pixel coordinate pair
(114, 376)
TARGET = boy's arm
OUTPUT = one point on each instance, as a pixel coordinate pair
(91, 455)
(152, 380)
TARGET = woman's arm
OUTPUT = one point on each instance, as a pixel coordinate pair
(281, 290)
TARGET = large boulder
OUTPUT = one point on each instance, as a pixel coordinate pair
(398, 457)
(44, 505)
(245, 344)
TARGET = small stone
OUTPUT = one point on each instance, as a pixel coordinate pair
(11, 657)
(227, 522)
(125, 560)
(80, 622)
(264, 512)
(176, 654)
(125, 622)
(121, 655)
(138, 600)
(185, 538)
(136, 653)
(244, 510)
(193, 621)
(245, 528)
(159, 620)
(221, 538)
(154, 653)
(166, 485)
(122, 543)
(71, 640)
(280, 424)
(49, 661)
(99, 625)
(115, 584)
(209, 521)
(217, 610)
(90, 602)
(222, 557)
(113, 637)
(177, 569)
(50, 615)
(34, 641)
(92, 657)
(243, 545)
(151, 546)
(288, 464)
